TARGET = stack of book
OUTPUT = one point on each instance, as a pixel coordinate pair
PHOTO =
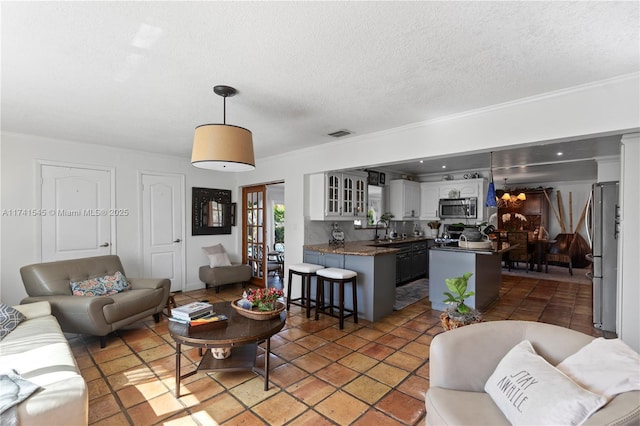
(195, 314)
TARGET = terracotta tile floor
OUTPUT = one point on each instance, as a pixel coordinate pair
(369, 373)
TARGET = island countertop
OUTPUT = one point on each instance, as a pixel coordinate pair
(477, 251)
(365, 248)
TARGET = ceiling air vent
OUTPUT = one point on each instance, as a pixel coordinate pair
(340, 133)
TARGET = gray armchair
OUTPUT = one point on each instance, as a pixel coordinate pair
(93, 315)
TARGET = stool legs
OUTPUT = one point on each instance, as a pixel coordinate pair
(289, 290)
(305, 291)
(321, 306)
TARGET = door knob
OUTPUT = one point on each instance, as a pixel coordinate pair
(104, 245)
(177, 240)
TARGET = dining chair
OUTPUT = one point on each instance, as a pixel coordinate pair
(560, 251)
(520, 253)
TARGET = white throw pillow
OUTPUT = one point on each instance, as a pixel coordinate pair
(530, 391)
(604, 366)
(220, 259)
(216, 249)
(217, 256)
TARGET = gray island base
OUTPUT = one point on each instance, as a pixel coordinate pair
(376, 270)
(449, 262)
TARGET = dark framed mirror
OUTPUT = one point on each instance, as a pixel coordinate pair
(212, 211)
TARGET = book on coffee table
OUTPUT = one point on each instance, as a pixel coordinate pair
(207, 320)
(192, 310)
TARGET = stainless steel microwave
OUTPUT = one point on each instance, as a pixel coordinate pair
(458, 208)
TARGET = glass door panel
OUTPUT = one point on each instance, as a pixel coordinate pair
(253, 233)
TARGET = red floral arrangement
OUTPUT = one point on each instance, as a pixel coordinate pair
(264, 298)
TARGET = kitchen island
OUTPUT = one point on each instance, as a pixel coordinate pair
(450, 262)
(375, 264)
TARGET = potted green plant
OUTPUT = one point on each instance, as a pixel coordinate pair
(459, 314)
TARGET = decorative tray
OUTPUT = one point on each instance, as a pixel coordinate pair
(255, 314)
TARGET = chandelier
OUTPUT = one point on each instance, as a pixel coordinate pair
(511, 199)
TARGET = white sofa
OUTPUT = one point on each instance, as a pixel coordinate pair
(462, 360)
(38, 351)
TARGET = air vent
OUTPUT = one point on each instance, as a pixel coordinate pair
(340, 133)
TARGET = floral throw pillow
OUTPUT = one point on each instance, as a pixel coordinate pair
(89, 287)
(115, 283)
(10, 318)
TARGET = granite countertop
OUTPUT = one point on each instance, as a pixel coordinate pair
(365, 248)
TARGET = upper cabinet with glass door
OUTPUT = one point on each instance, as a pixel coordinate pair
(337, 196)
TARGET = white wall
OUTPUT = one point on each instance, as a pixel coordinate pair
(20, 245)
(629, 248)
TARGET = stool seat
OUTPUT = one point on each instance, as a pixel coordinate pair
(306, 271)
(305, 268)
(336, 273)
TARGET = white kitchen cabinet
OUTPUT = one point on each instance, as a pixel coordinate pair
(354, 195)
(463, 188)
(337, 196)
(429, 200)
(405, 199)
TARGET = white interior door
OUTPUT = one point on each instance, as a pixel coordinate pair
(76, 213)
(163, 228)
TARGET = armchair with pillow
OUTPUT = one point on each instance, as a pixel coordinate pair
(521, 372)
(93, 295)
(220, 271)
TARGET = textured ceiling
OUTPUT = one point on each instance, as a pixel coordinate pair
(140, 74)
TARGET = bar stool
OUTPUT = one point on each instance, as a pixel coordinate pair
(340, 277)
(306, 271)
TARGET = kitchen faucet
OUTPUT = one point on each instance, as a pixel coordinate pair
(376, 237)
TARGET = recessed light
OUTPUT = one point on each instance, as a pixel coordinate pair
(559, 154)
(421, 161)
(444, 167)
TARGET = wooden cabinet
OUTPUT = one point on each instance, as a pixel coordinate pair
(337, 196)
(405, 199)
(535, 204)
(535, 208)
(429, 200)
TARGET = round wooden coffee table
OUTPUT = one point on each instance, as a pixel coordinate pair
(240, 333)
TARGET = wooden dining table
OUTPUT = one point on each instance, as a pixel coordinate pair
(537, 246)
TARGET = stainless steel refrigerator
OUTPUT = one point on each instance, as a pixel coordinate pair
(602, 231)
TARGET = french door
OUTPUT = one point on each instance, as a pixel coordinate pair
(254, 250)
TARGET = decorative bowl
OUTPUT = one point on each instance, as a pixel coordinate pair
(255, 314)
(475, 244)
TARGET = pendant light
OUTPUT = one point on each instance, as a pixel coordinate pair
(223, 147)
(491, 192)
